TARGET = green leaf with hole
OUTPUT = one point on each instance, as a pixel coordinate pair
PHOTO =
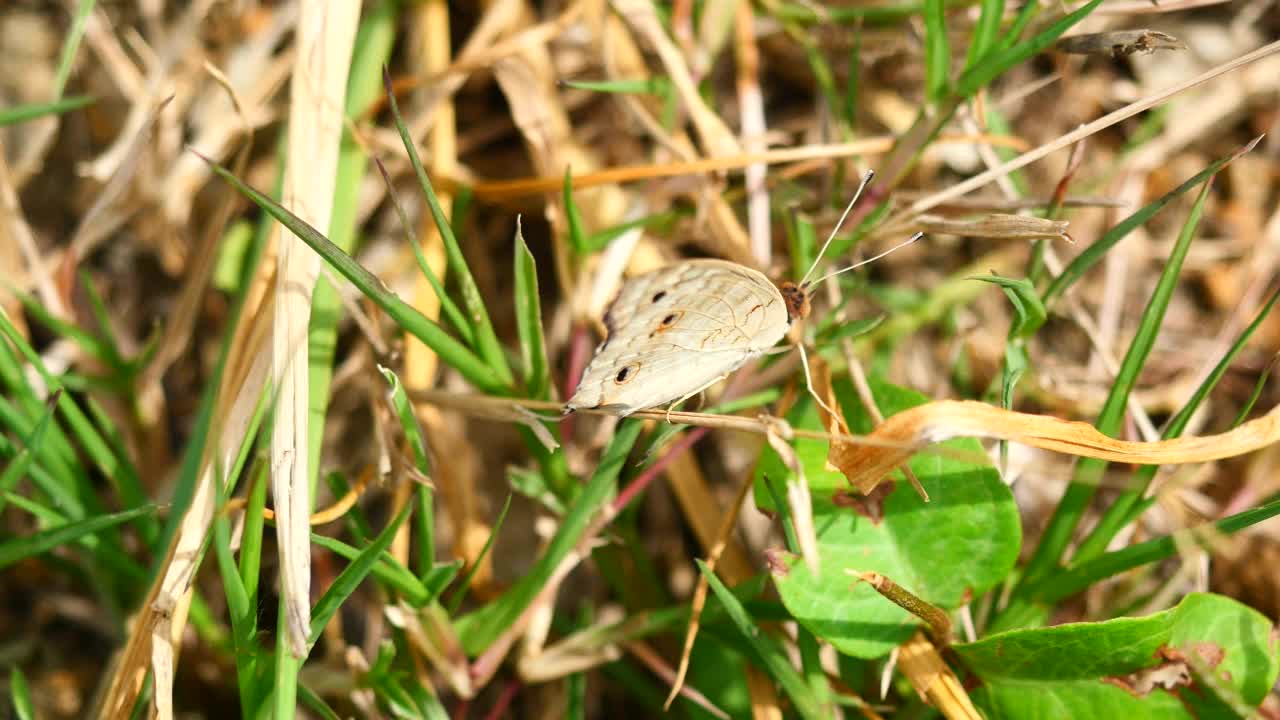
(1208, 657)
(962, 542)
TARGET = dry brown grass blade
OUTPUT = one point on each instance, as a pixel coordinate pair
(946, 419)
(714, 134)
(930, 676)
(751, 112)
(722, 541)
(326, 36)
(431, 634)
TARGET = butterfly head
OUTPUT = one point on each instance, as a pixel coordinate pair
(797, 299)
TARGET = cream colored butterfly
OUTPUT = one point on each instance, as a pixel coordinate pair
(677, 330)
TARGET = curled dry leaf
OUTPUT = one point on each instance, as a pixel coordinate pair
(1119, 43)
(865, 465)
(998, 226)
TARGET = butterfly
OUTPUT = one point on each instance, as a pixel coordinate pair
(675, 331)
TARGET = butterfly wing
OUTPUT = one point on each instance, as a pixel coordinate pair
(676, 330)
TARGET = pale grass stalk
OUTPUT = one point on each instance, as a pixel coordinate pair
(751, 117)
(326, 36)
(723, 540)
(1082, 132)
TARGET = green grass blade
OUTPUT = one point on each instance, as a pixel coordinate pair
(1122, 510)
(1066, 516)
(251, 535)
(118, 470)
(243, 614)
(316, 703)
(533, 345)
(24, 113)
(422, 462)
(996, 63)
(937, 51)
(387, 570)
(660, 221)
(577, 229)
(767, 650)
(17, 467)
(487, 344)
(284, 691)
(656, 85)
(23, 708)
(479, 629)
(1094, 253)
(12, 551)
(92, 345)
(450, 308)
(461, 592)
(354, 574)
(986, 32)
(70, 46)
(1077, 579)
(451, 352)
(374, 39)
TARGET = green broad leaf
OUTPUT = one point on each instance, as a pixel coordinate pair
(1104, 669)
(533, 345)
(12, 551)
(963, 542)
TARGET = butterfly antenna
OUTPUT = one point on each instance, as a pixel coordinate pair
(866, 179)
(859, 264)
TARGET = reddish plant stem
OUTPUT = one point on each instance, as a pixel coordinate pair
(579, 349)
(641, 481)
(499, 709)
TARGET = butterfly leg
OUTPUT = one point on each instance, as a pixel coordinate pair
(699, 391)
(808, 381)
